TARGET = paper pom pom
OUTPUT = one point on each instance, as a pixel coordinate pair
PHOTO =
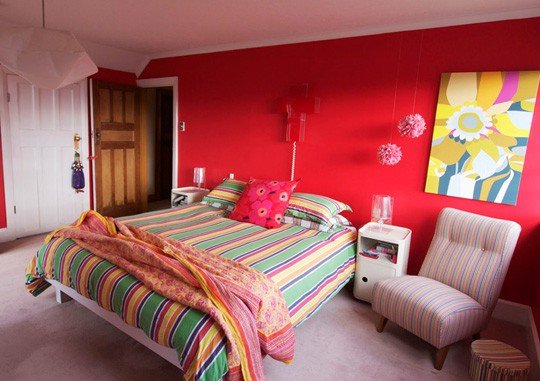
(389, 154)
(412, 126)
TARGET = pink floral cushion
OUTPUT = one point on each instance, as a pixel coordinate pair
(263, 202)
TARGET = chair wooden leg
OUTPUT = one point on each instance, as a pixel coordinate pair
(440, 357)
(382, 324)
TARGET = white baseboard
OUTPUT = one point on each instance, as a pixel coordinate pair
(521, 314)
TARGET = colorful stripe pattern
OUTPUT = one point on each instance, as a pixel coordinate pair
(497, 361)
(225, 195)
(459, 282)
(304, 208)
(315, 208)
(471, 253)
(309, 267)
(433, 311)
(245, 303)
(336, 222)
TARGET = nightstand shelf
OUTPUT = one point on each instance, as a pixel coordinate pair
(187, 195)
(382, 252)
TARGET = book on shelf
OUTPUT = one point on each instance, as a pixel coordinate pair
(387, 248)
(381, 250)
(370, 253)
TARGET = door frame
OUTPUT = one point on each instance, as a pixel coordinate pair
(10, 232)
(168, 82)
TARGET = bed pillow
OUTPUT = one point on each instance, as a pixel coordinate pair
(336, 222)
(225, 195)
(316, 208)
(263, 202)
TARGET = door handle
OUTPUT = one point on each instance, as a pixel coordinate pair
(97, 137)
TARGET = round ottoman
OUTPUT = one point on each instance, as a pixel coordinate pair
(494, 360)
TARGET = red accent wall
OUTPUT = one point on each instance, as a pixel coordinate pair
(366, 85)
(116, 76)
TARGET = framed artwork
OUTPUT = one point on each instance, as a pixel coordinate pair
(480, 135)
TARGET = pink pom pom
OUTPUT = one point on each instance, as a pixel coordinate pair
(389, 154)
(412, 126)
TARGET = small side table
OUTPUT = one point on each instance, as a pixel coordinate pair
(382, 252)
(187, 195)
(495, 360)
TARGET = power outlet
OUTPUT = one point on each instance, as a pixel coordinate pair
(182, 126)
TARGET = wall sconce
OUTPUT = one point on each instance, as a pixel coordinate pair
(297, 105)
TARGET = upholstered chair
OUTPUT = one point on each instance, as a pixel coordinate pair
(459, 281)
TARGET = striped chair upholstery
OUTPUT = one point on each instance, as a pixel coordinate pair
(459, 282)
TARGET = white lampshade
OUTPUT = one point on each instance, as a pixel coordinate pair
(199, 176)
(47, 58)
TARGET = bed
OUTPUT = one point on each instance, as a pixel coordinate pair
(308, 265)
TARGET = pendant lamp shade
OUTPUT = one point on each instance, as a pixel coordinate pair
(47, 58)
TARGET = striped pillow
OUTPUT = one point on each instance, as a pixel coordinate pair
(304, 206)
(225, 195)
(336, 222)
(316, 208)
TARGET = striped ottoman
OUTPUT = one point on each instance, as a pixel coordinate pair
(494, 360)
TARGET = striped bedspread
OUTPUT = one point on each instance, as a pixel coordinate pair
(309, 267)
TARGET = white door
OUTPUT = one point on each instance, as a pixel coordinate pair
(42, 126)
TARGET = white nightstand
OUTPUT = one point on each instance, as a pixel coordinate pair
(382, 252)
(187, 195)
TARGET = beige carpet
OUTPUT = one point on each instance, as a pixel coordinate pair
(43, 340)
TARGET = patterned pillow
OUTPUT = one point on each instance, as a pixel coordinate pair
(263, 202)
(316, 208)
(225, 195)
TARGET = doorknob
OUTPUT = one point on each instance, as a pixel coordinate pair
(97, 137)
(76, 140)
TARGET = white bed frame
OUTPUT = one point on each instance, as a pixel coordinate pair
(64, 294)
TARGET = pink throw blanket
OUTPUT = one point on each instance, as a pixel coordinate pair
(244, 302)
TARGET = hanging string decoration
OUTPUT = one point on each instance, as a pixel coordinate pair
(389, 154)
(412, 126)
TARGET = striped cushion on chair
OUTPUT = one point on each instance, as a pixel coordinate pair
(435, 312)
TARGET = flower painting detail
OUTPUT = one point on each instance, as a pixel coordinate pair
(481, 133)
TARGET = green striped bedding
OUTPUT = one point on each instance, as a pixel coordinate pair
(309, 266)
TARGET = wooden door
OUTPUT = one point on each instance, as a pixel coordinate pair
(43, 124)
(119, 174)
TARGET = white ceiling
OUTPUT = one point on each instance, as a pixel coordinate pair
(160, 28)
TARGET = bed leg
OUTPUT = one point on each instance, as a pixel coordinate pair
(61, 297)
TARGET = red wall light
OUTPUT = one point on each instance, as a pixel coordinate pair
(297, 105)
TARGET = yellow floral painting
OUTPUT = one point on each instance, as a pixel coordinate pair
(481, 133)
